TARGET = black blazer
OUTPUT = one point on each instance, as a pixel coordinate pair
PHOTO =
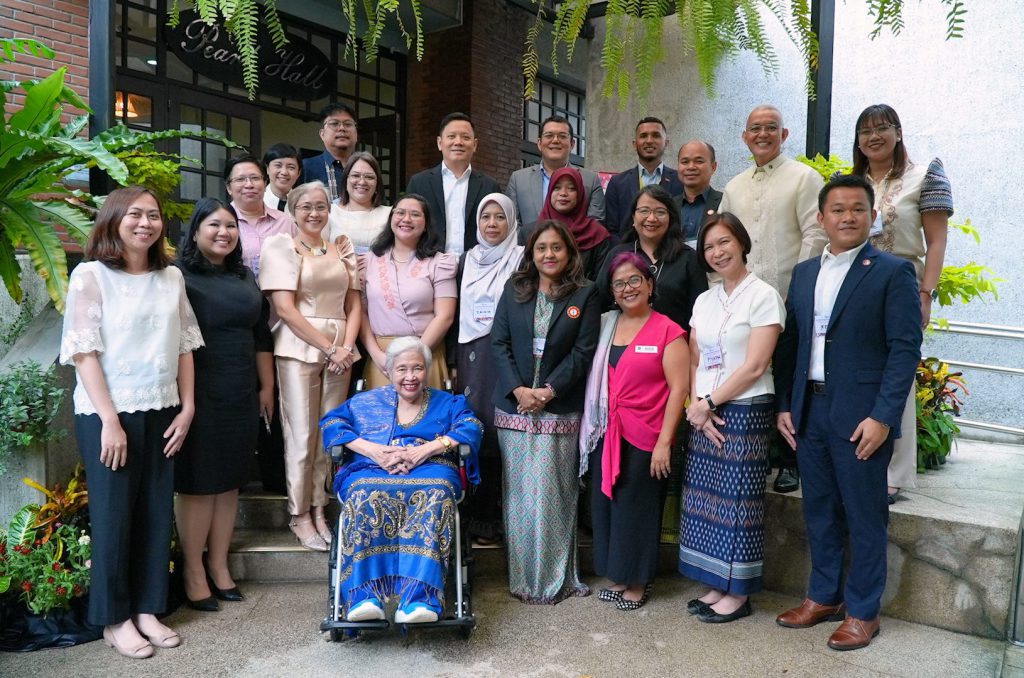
(568, 350)
(622, 188)
(429, 184)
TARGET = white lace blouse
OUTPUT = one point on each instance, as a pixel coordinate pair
(138, 325)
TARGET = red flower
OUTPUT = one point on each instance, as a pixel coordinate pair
(26, 585)
(77, 590)
(61, 591)
(3, 547)
(26, 549)
(50, 580)
(56, 567)
(39, 542)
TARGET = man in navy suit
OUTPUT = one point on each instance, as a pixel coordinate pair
(453, 189)
(650, 142)
(843, 366)
(339, 130)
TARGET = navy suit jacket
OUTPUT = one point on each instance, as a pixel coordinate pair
(872, 343)
(430, 185)
(622, 188)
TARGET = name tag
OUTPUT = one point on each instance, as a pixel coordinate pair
(820, 325)
(483, 310)
(712, 357)
(876, 225)
(538, 346)
(647, 349)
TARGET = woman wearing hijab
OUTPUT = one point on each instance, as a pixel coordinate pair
(566, 202)
(484, 271)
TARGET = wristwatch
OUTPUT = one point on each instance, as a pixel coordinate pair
(711, 403)
(933, 293)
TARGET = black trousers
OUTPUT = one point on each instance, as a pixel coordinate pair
(130, 511)
(626, 527)
(270, 451)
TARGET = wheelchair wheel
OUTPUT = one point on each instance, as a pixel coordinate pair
(465, 632)
(337, 635)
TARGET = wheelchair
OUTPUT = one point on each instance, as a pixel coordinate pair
(458, 612)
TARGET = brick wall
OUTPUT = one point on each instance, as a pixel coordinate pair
(61, 26)
(474, 68)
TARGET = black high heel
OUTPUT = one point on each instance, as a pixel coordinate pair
(205, 605)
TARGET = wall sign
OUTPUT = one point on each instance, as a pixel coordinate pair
(297, 71)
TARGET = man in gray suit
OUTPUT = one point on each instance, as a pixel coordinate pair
(528, 187)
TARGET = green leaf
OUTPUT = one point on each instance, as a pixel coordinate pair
(75, 221)
(10, 271)
(20, 530)
(41, 109)
(20, 219)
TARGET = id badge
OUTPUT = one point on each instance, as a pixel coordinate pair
(820, 325)
(646, 349)
(483, 310)
(712, 356)
(876, 225)
(538, 346)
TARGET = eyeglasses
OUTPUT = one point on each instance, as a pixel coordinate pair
(402, 214)
(306, 208)
(358, 176)
(551, 136)
(757, 129)
(251, 179)
(866, 132)
(644, 212)
(335, 124)
(633, 282)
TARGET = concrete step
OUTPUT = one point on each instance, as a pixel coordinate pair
(953, 544)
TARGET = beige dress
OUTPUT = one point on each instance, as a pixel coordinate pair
(308, 390)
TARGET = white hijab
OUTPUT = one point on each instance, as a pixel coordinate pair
(488, 267)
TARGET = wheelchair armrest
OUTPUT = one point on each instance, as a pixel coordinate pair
(464, 452)
(338, 453)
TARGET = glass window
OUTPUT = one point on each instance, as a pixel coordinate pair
(553, 98)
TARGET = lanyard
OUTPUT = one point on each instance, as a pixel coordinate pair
(332, 180)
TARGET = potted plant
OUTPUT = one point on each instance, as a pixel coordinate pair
(938, 401)
(30, 398)
(45, 556)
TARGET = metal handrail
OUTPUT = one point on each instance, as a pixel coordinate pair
(1013, 371)
(980, 330)
(985, 426)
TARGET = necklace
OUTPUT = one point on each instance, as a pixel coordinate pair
(399, 261)
(318, 251)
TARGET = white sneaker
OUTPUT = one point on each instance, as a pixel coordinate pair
(417, 613)
(368, 610)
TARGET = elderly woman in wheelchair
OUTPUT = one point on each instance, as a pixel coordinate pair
(398, 485)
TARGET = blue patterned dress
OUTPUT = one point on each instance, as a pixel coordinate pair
(397, 530)
(721, 536)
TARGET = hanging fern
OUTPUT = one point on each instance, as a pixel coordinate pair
(531, 60)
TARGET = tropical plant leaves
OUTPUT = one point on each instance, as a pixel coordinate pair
(20, 529)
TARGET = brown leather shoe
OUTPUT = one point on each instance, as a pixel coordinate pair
(810, 613)
(854, 634)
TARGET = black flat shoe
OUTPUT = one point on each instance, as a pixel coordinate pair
(696, 606)
(629, 605)
(204, 605)
(609, 595)
(786, 481)
(712, 617)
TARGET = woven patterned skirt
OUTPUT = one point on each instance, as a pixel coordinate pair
(540, 461)
(721, 535)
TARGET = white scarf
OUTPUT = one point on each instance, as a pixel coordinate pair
(488, 267)
(595, 402)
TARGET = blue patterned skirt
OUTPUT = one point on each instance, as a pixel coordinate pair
(396, 532)
(721, 533)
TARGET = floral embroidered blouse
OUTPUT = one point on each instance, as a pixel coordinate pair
(399, 296)
(138, 325)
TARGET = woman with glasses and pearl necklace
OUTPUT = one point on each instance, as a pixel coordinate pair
(314, 288)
